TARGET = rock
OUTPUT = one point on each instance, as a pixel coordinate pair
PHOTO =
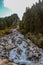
(19, 51)
(22, 63)
(27, 52)
(6, 62)
(19, 41)
(9, 46)
(29, 57)
(13, 40)
(4, 39)
(39, 54)
(2, 51)
(1, 48)
(3, 61)
(11, 63)
(36, 56)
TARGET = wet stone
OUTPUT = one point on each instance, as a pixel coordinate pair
(14, 47)
(19, 51)
(19, 41)
(22, 63)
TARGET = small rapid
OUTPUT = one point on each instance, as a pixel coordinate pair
(19, 50)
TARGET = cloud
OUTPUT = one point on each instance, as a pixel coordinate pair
(18, 6)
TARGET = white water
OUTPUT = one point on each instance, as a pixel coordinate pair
(21, 58)
(19, 53)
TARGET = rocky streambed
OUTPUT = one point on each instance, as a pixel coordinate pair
(19, 51)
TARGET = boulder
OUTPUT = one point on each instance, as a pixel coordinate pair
(19, 41)
(19, 51)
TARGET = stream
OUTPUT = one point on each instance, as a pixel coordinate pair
(19, 50)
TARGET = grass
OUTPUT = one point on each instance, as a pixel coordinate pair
(36, 38)
(5, 31)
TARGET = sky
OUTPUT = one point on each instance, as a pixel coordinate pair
(8, 7)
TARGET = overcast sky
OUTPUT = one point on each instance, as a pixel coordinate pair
(16, 6)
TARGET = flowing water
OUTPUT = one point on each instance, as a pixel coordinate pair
(22, 51)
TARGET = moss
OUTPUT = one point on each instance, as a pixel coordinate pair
(22, 31)
(36, 39)
(5, 31)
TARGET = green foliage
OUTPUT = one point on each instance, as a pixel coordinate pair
(32, 24)
(32, 20)
(36, 39)
(8, 21)
(22, 31)
(5, 31)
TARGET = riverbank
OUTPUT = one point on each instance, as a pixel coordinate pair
(36, 38)
(5, 32)
(18, 50)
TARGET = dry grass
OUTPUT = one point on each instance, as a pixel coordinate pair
(5, 31)
(37, 39)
